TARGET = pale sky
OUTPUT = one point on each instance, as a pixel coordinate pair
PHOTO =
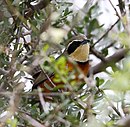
(108, 16)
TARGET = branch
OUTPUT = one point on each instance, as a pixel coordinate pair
(14, 101)
(114, 9)
(120, 54)
(31, 120)
(97, 54)
(113, 107)
(106, 32)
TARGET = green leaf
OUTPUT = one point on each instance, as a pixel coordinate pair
(99, 81)
(93, 25)
(72, 119)
(12, 122)
(105, 51)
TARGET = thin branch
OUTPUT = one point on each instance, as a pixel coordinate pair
(106, 33)
(114, 9)
(52, 94)
(97, 54)
(48, 78)
(43, 103)
(32, 121)
(110, 45)
(13, 103)
(113, 107)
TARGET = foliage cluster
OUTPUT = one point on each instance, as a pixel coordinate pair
(33, 33)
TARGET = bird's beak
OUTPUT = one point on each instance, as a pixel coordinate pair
(85, 41)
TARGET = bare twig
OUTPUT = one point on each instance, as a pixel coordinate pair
(113, 107)
(105, 33)
(13, 103)
(47, 77)
(32, 121)
(114, 9)
(110, 45)
(43, 103)
(8, 94)
(97, 54)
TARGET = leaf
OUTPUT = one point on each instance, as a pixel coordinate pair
(99, 81)
(45, 47)
(105, 51)
(72, 119)
(93, 25)
(12, 122)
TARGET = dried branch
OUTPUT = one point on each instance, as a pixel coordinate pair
(13, 103)
(120, 54)
(113, 107)
(32, 121)
(42, 100)
(97, 54)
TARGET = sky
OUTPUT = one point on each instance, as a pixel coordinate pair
(108, 16)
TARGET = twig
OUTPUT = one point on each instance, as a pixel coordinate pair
(106, 33)
(43, 103)
(27, 33)
(13, 103)
(110, 45)
(113, 107)
(48, 78)
(114, 9)
(32, 121)
(97, 54)
(8, 94)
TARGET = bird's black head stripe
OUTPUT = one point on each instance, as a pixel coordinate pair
(74, 45)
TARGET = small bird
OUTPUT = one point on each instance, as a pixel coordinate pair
(77, 52)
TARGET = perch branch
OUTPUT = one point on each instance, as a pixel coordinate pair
(120, 54)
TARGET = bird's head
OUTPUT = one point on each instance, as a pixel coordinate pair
(78, 49)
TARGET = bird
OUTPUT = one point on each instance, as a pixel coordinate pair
(77, 53)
